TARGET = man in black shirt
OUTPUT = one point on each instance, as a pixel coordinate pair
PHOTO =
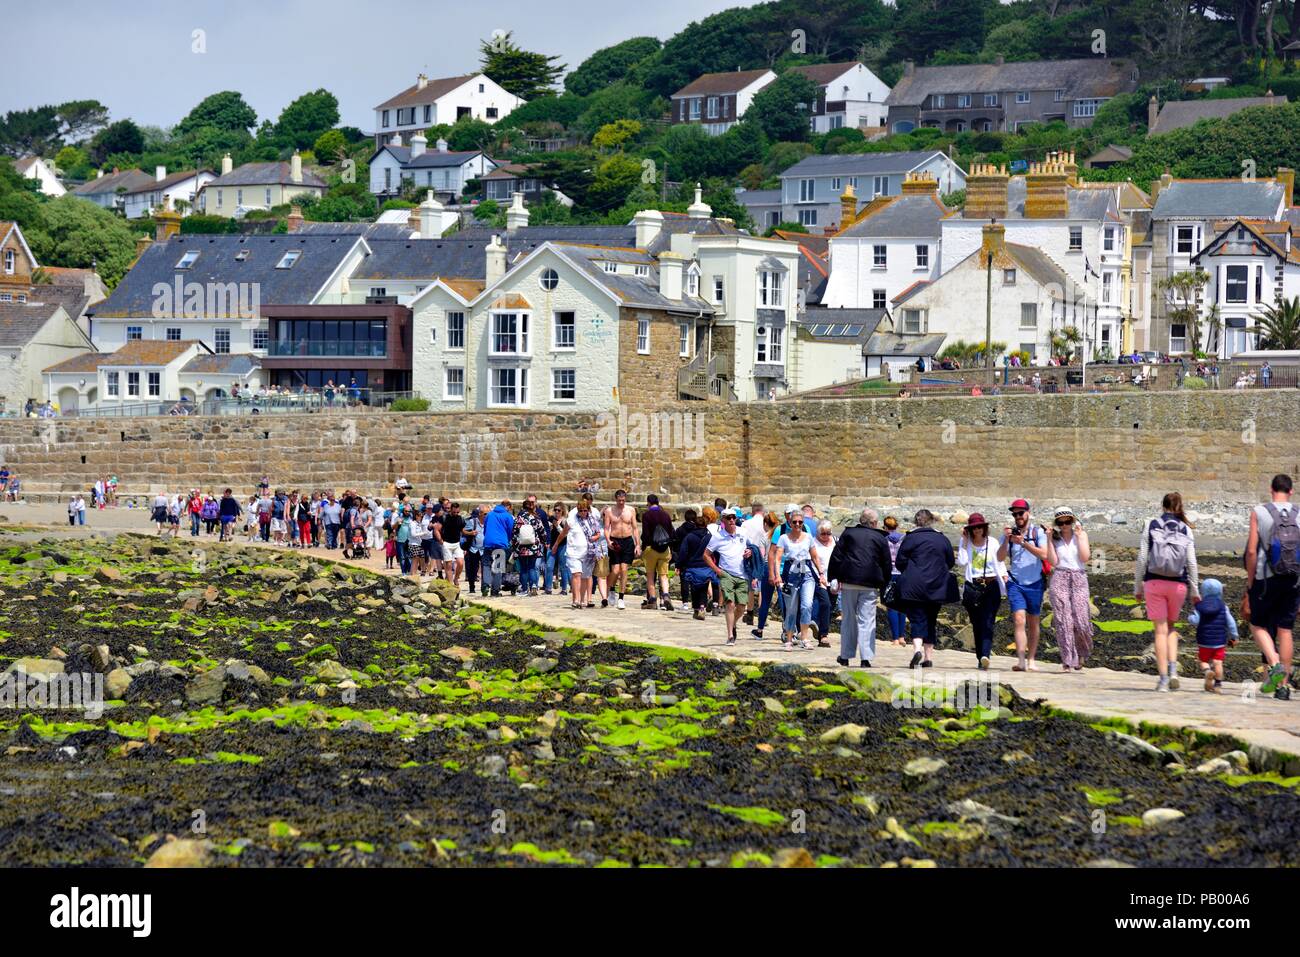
(449, 531)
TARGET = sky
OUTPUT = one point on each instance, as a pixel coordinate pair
(138, 57)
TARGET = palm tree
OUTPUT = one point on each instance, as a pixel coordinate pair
(1278, 325)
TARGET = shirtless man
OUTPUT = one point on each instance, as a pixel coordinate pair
(624, 542)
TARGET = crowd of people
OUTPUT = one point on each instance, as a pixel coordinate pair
(752, 566)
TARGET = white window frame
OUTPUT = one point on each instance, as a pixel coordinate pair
(448, 393)
(807, 190)
(990, 99)
(1108, 239)
(1008, 277)
(913, 321)
(713, 108)
(289, 259)
(133, 385)
(1022, 96)
(1229, 283)
(880, 299)
(719, 289)
(643, 336)
(771, 289)
(879, 186)
(134, 333)
(1107, 287)
(455, 320)
(776, 344)
(548, 279)
(169, 334)
(555, 384)
(153, 382)
(1192, 236)
(1028, 325)
(1089, 106)
(963, 101)
(113, 385)
(185, 262)
(571, 325)
(808, 217)
(520, 333)
(261, 339)
(879, 256)
(520, 387)
(922, 256)
(683, 339)
(1076, 239)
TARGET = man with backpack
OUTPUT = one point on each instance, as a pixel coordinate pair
(657, 537)
(1023, 549)
(1273, 583)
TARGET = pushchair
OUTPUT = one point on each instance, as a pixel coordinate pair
(359, 549)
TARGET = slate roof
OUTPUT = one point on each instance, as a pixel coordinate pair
(823, 73)
(429, 159)
(168, 181)
(1113, 153)
(814, 274)
(759, 197)
(841, 325)
(859, 164)
(367, 230)
(631, 291)
(895, 344)
(1218, 199)
(23, 164)
(818, 245)
(718, 84)
(910, 291)
(128, 179)
(216, 263)
(73, 299)
(433, 90)
(681, 223)
(1043, 269)
(20, 321)
(1084, 78)
(264, 174)
(908, 216)
(150, 352)
(1085, 202)
(1292, 215)
(233, 363)
(1261, 238)
(1179, 114)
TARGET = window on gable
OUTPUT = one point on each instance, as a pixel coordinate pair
(1235, 285)
(565, 331)
(1076, 238)
(878, 297)
(510, 333)
(455, 330)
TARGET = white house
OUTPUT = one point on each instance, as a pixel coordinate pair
(433, 102)
(177, 190)
(34, 334)
(1249, 266)
(811, 188)
(717, 100)
(444, 171)
(849, 95)
(830, 344)
(33, 167)
(893, 244)
(1032, 297)
(109, 189)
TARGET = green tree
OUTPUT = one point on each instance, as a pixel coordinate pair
(70, 158)
(120, 137)
(81, 119)
(206, 223)
(1182, 291)
(614, 135)
(519, 71)
(24, 132)
(77, 233)
(226, 111)
(307, 117)
(613, 181)
(330, 147)
(1278, 325)
(613, 103)
(610, 65)
(786, 228)
(468, 133)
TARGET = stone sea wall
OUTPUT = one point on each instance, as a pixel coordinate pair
(1102, 449)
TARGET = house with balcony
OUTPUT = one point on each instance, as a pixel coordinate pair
(1003, 97)
(811, 188)
(717, 101)
(394, 166)
(179, 190)
(1185, 217)
(257, 186)
(429, 103)
(312, 345)
(109, 189)
(848, 95)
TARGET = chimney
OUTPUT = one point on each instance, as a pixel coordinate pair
(167, 221)
(1268, 98)
(418, 145)
(496, 259)
(1159, 184)
(395, 140)
(295, 167)
(986, 192)
(1047, 189)
(142, 243)
(413, 222)
(920, 184)
(430, 217)
(516, 214)
(294, 220)
(909, 67)
(999, 60)
(99, 174)
(994, 243)
(1153, 112)
(441, 145)
(421, 82)
(1286, 176)
(848, 205)
(160, 173)
(226, 164)
(649, 223)
(699, 209)
(672, 268)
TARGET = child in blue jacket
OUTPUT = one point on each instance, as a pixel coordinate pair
(1215, 630)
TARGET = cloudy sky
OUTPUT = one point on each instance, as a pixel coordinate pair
(136, 56)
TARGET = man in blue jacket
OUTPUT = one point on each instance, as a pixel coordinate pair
(497, 529)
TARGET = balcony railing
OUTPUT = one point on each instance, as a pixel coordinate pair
(342, 348)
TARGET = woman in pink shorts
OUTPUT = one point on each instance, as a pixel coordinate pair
(1164, 574)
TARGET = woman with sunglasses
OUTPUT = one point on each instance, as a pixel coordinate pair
(826, 592)
(986, 584)
(1068, 553)
(801, 578)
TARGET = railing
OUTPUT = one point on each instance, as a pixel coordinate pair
(343, 348)
(271, 404)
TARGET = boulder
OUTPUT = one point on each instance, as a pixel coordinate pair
(36, 666)
(106, 573)
(457, 653)
(332, 671)
(182, 853)
(542, 665)
(207, 688)
(924, 767)
(1136, 748)
(115, 683)
(793, 857)
(1161, 815)
(848, 733)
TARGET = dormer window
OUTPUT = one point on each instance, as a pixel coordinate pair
(288, 259)
(609, 266)
(187, 260)
(9, 262)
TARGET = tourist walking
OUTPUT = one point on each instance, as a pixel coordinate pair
(985, 585)
(679, 536)
(793, 554)
(759, 540)
(897, 620)
(585, 534)
(229, 511)
(497, 532)
(1164, 574)
(1273, 582)
(694, 569)
(656, 544)
(81, 509)
(528, 540)
(473, 537)
(925, 560)
(861, 563)
(725, 555)
(211, 513)
(72, 509)
(159, 513)
(1215, 627)
(194, 508)
(1023, 549)
(1068, 553)
(827, 591)
(624, 543)
(560, 546)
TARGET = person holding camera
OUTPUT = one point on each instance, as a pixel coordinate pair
(985, 584)
(1023, 548)
(1068, 553)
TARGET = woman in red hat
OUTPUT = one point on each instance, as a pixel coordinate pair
(985, 586)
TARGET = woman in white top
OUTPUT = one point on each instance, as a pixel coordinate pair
(801, 581)
(986, 584)
(1068, 553)
(824, 594)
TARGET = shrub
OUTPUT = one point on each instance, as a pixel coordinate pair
(409, 405)
(1194, 382)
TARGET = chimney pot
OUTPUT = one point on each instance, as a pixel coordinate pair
(295, 167)
(495, 252)
(295, 219)
(421, 82)
(517, 214)
(160, 173)
(648, 223)
(441, 145)
(226, 164)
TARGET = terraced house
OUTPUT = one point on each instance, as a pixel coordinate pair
(1003, 97)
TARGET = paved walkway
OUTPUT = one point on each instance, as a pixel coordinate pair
(1098, 692)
